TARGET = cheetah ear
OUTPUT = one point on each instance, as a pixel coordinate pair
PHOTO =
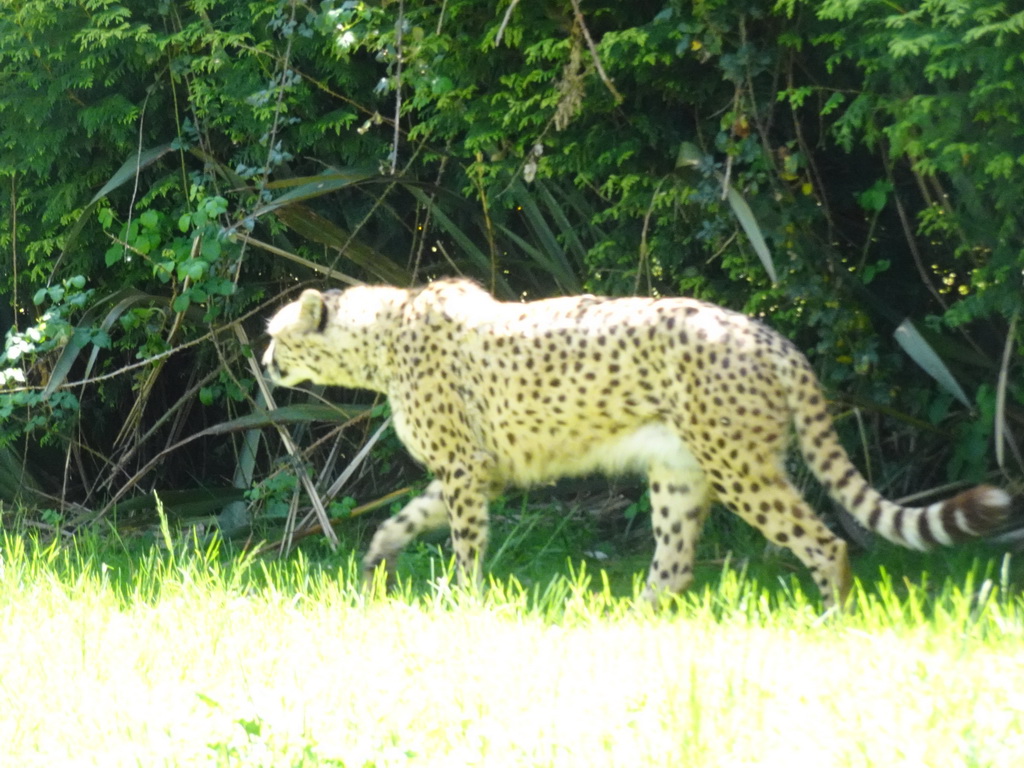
(312, 313)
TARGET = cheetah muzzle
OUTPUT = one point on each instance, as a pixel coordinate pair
(700, 399)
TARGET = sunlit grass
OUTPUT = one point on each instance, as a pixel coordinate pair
(188, 657)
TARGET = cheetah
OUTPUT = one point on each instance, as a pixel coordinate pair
(700, 399)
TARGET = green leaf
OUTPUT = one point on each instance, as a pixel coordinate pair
(131, 167)
(215, 206)
(101, 339)
(689, 155)
(150, 219)
(874, 199)
(441, 85)
(194, 269)
(163, 270)
(220, 286)
(211, 249)
(749, 223)
(834, 102)
(922, 353)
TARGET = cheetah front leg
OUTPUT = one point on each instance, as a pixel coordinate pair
(457, 498)
(680, 500)
(424, 513)
(466, 494)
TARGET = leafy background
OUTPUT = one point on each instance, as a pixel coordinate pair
(174, 171)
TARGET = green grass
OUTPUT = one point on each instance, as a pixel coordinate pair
(166, 657)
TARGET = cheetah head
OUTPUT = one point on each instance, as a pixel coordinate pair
(332, 337)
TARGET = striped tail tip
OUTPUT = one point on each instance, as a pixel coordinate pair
(974, 512)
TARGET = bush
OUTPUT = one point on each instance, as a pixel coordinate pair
(174, 168)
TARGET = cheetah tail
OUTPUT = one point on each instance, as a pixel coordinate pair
(969, 514)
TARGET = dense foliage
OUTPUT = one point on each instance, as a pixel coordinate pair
(170, 169)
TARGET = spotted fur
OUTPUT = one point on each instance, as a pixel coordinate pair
(698, 398)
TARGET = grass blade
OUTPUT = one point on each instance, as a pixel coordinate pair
(480, 260)
(569, 233)
(310, 187)
(311, 225)
(17, 483)
(123, 300)
(922, 353)
(1000, 427)
(471, 249)
(749, 223)
(302, 413)
(550, 252)
(690, 156)
(130, 169)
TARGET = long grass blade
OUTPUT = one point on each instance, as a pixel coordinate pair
(310, 187)
(130, 168)
(311, 225)
(567, 283)
(312, 266)
(357, 460)
(182, 503)
(302, 413)
(922, 353)
(554, 259)
(124, 299)
(569, 232)
(464, 241)
(480, 260)
(750, 226)
(304, 479)
(17, 483)
(690, 156)
(1000, 426)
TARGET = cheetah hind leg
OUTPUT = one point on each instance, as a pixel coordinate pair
(680, 499)
(424, 513)
(781, 514)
